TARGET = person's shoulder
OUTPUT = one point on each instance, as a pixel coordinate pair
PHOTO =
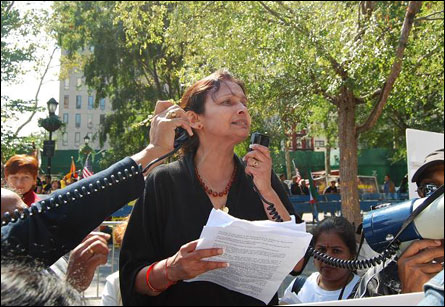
(164, 172)
(312, 278)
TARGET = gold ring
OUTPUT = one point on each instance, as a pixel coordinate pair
(255, 163)
(171, 115)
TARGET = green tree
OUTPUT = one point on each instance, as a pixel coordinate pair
(122, 52)
(19, 49)
(348, 53)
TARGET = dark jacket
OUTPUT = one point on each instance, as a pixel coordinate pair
(59, 223)
(171, 213)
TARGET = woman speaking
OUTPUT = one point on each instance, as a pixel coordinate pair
(159, 248)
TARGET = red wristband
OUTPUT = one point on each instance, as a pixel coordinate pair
(147, 279)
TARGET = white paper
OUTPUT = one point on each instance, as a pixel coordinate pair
(261, 253)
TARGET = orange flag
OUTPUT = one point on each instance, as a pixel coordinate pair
(72, 172)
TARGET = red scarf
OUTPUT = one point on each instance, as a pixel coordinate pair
(30, 197)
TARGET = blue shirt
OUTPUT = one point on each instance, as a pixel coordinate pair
(433, 291)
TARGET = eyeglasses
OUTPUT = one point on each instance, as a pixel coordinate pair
(426, 190)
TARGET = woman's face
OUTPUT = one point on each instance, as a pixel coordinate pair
(226, 113)
(22, 182)
(330, 243)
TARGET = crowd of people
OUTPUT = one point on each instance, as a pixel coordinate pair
(50, 253)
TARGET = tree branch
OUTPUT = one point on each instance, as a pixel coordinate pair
(427, 17)
(412, 10)
(334, 64)
(274, 13)
(36, 101)
(319, 90)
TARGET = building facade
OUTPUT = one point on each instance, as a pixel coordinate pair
(77, 111)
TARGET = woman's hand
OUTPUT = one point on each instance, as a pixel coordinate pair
(188, 262)
(259, 164)
(162, 132)
(167, 118)
(85, 258)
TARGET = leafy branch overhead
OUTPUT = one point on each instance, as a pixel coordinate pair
(340, 65)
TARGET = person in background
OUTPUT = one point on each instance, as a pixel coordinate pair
(304, 188)
(389, 188)
(331, 189)
(111, 296)
(46, 184)
(403, 189)
(422, 259)
(55, 185)
(285, 186)
(21, 175)
(295, 186)
(334, 236)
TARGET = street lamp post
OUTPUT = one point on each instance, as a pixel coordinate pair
(85, 150)
(50, 124)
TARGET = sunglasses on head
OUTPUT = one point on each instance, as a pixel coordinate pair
(426, 190)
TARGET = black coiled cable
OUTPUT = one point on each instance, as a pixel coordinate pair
(353, 265)
(275, 215)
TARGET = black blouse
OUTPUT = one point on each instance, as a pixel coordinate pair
(172, 212)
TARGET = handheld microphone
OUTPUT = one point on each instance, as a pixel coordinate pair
(262, 139)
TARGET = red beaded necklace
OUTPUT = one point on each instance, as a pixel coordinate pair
(214, 193)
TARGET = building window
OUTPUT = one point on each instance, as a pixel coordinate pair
(77, 138)
(319, 143)
(90, 121)
(77, 120)
(65, 118)
(102, 119)
(66, 101)
(90, 102)
(79, 83)
(102, 103)
(65, 139)
(66, 84)
(78, 102)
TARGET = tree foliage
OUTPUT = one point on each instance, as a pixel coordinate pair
(121, 60)
(296, 58)
(18, 49)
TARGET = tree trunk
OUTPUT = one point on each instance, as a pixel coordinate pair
(348, 144)
(327, 161)
(288, 162)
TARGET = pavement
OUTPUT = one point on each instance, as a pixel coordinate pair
(94, 292)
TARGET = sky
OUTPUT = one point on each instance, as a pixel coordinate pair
(27, 89)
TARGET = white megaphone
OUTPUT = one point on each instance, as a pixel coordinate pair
(382, 225)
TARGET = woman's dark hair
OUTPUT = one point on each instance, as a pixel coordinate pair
(341, 227)
(195, 96)
(29, 285)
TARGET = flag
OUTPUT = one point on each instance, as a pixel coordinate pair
(313, 197)
(313, 193)
(297, 173)
(87, 169)
(72, 172)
